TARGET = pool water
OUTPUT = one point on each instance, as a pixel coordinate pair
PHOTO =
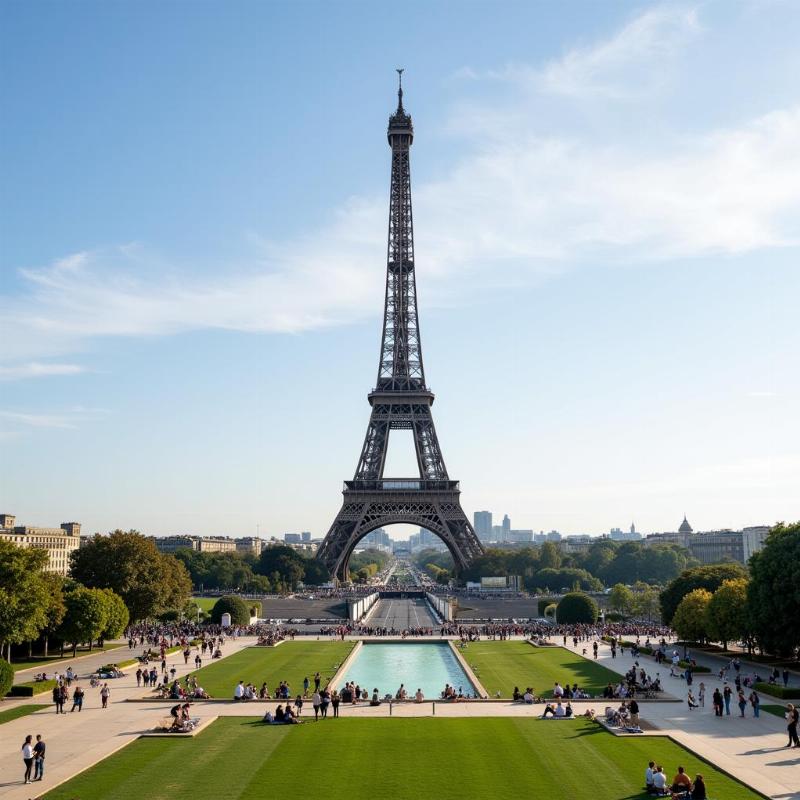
(426, 666)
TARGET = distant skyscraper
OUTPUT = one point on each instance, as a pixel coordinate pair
(506, 528)
(292, 538)
(633, 528)
(483, 525)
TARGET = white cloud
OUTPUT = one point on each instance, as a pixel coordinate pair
(67, 419)
(36, 369)
(629, 64)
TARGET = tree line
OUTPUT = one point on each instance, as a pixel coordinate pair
(545, 568)
(39, 606)
(729, 603)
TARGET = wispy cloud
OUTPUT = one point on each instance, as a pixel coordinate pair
(625, 66)
(36, 369)
(68, 419)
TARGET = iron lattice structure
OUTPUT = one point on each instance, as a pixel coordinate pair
(401, 400)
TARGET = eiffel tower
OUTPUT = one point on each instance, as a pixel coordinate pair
(400, 401)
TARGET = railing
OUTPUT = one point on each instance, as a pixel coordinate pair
(401, 485)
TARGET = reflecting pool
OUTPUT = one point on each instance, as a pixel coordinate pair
(427, 666)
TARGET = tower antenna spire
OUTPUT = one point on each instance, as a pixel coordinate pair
(400, 87)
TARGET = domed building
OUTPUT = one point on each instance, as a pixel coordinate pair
(685, 526)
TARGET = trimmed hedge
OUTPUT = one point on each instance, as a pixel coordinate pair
(695, 668)
(785, 693)
(576, 607)
(234, 605)
(31, 688)
(543, 603)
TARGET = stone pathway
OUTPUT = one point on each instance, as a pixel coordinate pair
(750, 749)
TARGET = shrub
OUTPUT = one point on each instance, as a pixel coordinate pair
(576, 607)
(785, 693)
(255, 608)
(543, 603)
(233, 605)
(6, 677)
(550, 610)
(614, 617)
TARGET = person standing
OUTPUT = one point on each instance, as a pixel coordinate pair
(793, 717)
(742, 702)
(38, 758)
(316, 701)
(716, 699)
(755, 701)
(305, 686)
(633, 708)
(785, 677)
(58, 698)
(77, 699)
(335, 703)
(105, 693)
(701, 695)
(727, 692)
(27, 757)
(317, 681)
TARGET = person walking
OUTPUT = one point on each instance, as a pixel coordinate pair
(317, 681)
(793, 717)
(785, 677)
(27, 757)
(701, 695)
(727, 692)
(755, 701)
(316, 701)
(305, 686)
(77, 699)
(105, 693)
(58, 698)
(742, 702)
(38, 758)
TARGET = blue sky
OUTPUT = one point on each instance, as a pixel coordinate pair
(192, 251)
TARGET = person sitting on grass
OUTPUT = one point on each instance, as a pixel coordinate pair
(280, 715)
(681, 783)
(238, 692)
(660, 782)
(516, 696)
(419, 697)
(568, 710)
(560, 711)
(648, 777)
(548, 709)
(589, 714)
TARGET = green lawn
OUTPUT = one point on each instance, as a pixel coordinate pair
(20, 711)
(500, 666)
(205, 603)
(51, 660)
(778, 711)
(361, 759)
(291, 662)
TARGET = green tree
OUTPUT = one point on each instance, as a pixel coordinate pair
(286, 562)
(727, 612)
(23, 594)
(233, 605)
(117, 616)
(130, 564)
(645, 600)
(85, 617)
(549, 556)
(774, 591)
(708, 577)
(576, 607)
(621, 598)
(690, 618)
(55, 608)
(315, 573)
(6, 678)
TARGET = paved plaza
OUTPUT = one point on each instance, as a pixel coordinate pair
(750, 749)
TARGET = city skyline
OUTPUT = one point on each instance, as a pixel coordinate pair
(606, 247)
